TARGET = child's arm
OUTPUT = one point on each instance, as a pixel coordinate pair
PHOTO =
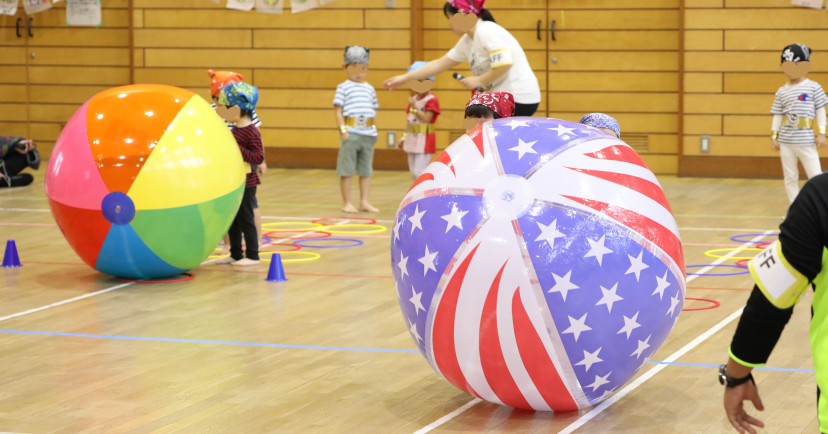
(340, 120)
(251, 148)
(777, 123)
(821, 123)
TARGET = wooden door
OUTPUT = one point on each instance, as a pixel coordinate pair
(68, 65)
(14, 116)
(620, 57)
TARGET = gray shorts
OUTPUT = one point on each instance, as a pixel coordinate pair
(356, 154)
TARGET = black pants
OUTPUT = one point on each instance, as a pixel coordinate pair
(14, 162)
(525, 109)
(244, 224)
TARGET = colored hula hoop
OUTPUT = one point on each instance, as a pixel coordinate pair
(299, 234)
(717, 274)
(189, 277)
(713, 303)
(293, 248)
(354, 243)
(374, 229)
(313, 226)
(742, 262)
(325, 219)
(736, 238)
(763, 245)
(710, 252)
(312, 257)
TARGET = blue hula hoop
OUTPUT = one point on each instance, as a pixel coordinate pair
(736, 238)
(717, 274)
(354, 243)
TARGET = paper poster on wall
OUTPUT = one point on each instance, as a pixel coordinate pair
(269, 6)
(35, 6)
(241, 5)
(324, 2)
(815, 4)
(297, 6)
(8, 7)
(83, 13)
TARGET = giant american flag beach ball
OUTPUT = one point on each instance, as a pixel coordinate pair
(144, 180)
(537, 264)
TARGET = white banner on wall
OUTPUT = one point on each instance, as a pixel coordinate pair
(241, 5)
(297, 6)
(815, 4)
(324, 2)
(35, 6)
(8, 7)
(83, 13)
(269, 6)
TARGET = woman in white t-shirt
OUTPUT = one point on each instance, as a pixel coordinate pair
(496, 58)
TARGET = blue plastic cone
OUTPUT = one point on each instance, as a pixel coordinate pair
(276, 272)
(10, 259)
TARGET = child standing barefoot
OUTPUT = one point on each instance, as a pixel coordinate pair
(355, 106)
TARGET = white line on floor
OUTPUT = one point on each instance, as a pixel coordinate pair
(68, 300)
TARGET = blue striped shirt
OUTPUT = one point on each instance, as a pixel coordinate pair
(800, 100)
(357, 99)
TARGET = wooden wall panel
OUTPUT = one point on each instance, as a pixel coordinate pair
(58, 68)
(732, 72)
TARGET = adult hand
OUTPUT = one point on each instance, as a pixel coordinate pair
(395, 82)
(775, 144)
(820, 141)
(471, 83)
(734, 408)
(28, 146)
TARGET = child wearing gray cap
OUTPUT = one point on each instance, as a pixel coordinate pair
(355, 104)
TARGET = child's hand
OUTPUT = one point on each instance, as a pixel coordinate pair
(775, 144)
(345, 136)
(820, 141)
(262, 168)
(400, 144)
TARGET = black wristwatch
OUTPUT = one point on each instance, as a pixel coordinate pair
(730, 381)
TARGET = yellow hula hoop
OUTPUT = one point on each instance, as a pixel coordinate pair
(337, 229)
(312, 226)
(738, 258)
(312, 256)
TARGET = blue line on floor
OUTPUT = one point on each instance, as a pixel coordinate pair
(315, 347)
(204, 341)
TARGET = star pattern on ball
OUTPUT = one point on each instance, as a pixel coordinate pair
(590, 359)
(549, 233)
(416, 300)
(455, 218)
(416, 219)
(597, 249)
(609, 297)
(428, 261)
(523, 148)
(563, 284)
(636, 265)
(577, 326)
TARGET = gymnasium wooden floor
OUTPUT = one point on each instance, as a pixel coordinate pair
(328, 351)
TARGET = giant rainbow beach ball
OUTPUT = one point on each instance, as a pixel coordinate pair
(144, 180)
(537, 264)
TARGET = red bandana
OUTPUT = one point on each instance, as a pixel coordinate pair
(468, 6)
(502, 103)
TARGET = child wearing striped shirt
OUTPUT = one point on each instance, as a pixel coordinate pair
(355, 105)
(795, 108)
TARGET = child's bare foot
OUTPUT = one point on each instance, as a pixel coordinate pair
(244, 262)
(368, 207)
(349, 208)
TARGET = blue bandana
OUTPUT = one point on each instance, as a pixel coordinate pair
(601, 120)
(243, 95)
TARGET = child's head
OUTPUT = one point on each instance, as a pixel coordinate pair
(241, 95)
(485, 106)
(356, 62)
(603, 122)
(219, 79)
(796, 61)
(415, 66)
